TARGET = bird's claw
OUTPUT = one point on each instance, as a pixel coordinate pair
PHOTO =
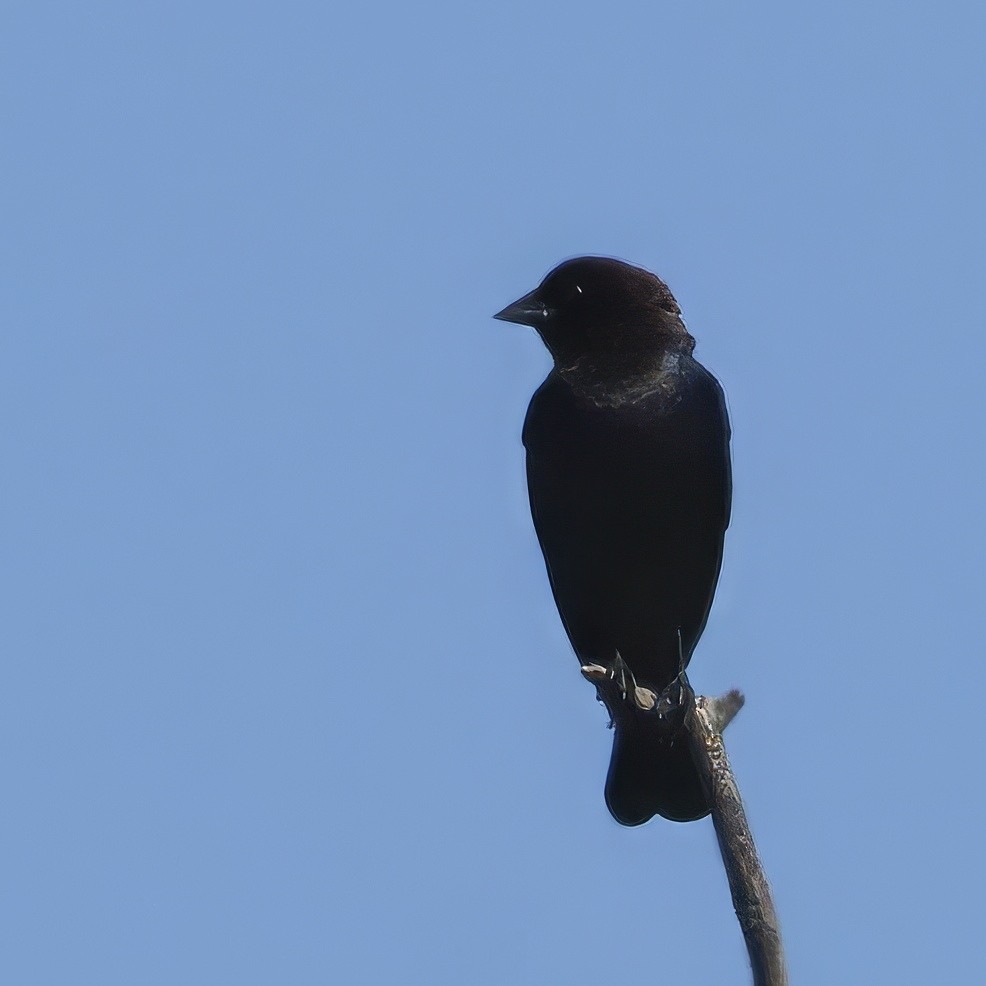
(595, 672)
(618, 672)
(645, 699)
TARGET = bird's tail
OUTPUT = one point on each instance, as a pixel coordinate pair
(651, 773)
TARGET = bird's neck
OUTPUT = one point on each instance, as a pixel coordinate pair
(618, 378)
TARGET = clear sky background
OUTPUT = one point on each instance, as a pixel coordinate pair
(284, 696)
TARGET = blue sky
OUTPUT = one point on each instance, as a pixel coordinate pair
(284, 695)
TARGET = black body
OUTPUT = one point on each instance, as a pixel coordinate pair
(629, 480)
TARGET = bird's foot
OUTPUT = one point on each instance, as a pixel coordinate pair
(618, 674)
(619, 678)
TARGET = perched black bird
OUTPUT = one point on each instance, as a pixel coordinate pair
(629, 479)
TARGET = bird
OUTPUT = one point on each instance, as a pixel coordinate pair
(629, 479)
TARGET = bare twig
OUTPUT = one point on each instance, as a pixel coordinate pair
(752, 901)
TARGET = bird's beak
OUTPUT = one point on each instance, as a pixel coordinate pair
(525, 311)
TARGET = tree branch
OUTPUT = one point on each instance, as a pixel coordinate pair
(752, 900)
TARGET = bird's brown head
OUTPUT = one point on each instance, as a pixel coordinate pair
(603, 312)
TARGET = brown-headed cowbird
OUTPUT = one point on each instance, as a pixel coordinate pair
(629, 479)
